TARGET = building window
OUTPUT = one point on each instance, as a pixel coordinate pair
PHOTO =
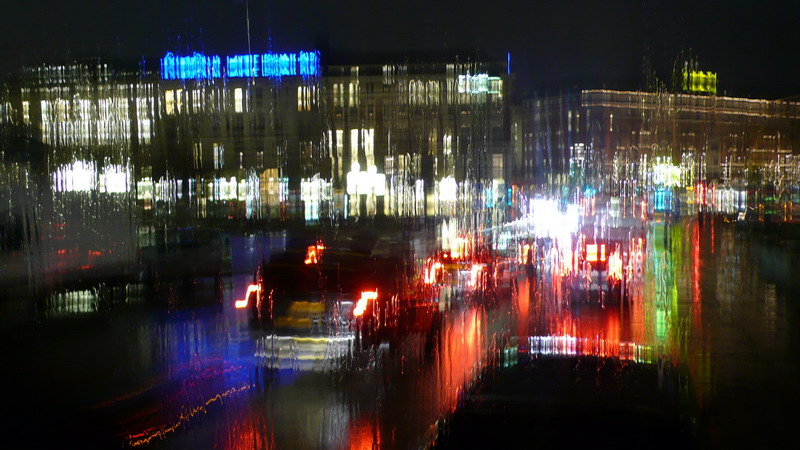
(368, 135)
(353, 87)
(305, 97)
(169, 102)
(338, 94)
(26, 112)
(238, 100)
(353, 146)
(497, 166)
(219, 156)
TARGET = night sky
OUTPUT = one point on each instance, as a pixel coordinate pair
(753, 46)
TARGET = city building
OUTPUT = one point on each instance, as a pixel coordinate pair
(274, 135)
(619, 141)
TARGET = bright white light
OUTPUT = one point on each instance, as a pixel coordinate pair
(365, 183)
(666, 175)
(80, 176)
(448, 189)
(548, 221)
(115, 179)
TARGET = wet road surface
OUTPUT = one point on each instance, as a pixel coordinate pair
(701, 353)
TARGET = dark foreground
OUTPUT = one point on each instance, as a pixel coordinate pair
(701, 354)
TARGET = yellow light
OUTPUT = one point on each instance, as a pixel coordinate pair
(615, 266)
(591, 252)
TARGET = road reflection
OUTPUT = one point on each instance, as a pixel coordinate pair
(675, 335)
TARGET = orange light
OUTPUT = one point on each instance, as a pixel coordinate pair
(250, 289)
(602, 252)
(615, 266)
(431, 274)
(314, 253)
(311, 255)
(135, 440)
(525, 249)
(591, 252)
(361, 305)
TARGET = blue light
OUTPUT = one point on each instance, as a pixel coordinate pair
(243, 66)
(273, 65)
(662, 200)
(197, 66)
(309, 63)
(278, 65)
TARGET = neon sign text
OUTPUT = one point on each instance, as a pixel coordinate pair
(197, 66)
(273, 65)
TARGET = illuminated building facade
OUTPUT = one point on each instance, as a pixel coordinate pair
(424, 128)
(70, 142)
(272, 135)
(615, 139)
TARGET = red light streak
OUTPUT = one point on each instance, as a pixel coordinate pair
(361, 305)
(250, 289)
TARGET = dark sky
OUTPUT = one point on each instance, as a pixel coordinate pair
(754, 46)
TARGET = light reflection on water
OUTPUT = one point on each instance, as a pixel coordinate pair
(702, 322)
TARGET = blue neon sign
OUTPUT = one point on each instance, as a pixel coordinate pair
(197, 66)
(272, 65)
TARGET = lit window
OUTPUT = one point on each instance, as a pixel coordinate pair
(305, 97)
(26, 111)
(448, 144)
(169, 102)
(197, 103)
(300, 103)
(238, 100)
(179, 100)
(368, 135)
(219, 156)
(354, 146)
(340, 151)
(338, 94)
(353, 87)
